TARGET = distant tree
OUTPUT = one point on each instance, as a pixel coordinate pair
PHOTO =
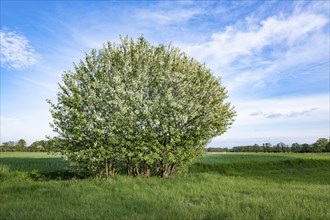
(267, 147)
(5, 146)
(214, 149)
(296, 148)
(255, 148)
(286, 149)
(238, 149)
(280, 147)
(283, 147)
(320, 145)
(327, 148)
(9, 143)
(43, 145)
(38, 146)
(140, 108)
(20, 145)
(306, 148)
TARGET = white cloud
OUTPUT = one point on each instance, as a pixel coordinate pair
(227, 46)
(256, 52)
(16, 51)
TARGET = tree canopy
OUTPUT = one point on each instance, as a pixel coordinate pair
(137, 108)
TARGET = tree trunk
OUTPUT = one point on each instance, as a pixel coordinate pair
(106, 168)
(136, 169)
(111, 169)
(128, 166)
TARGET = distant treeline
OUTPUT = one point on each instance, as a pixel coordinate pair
(321, 145)
(21, 145)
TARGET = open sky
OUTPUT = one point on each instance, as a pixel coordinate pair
(273, 57)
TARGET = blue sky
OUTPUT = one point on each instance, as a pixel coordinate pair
(273, 57)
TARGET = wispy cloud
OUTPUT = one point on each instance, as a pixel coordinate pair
(291, 114)
(304, 108)
(16, 51)
(45, 85)
(167, 14)
(298, 116)
(288, 119)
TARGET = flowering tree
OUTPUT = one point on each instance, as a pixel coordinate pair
(137, 108)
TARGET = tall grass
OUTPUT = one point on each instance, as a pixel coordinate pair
(307, 168)
(222, 186)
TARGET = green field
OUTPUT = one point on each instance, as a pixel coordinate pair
(217, 186)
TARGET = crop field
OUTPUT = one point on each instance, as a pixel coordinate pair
(217, 186)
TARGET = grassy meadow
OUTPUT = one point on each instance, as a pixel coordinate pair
(217, 186)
